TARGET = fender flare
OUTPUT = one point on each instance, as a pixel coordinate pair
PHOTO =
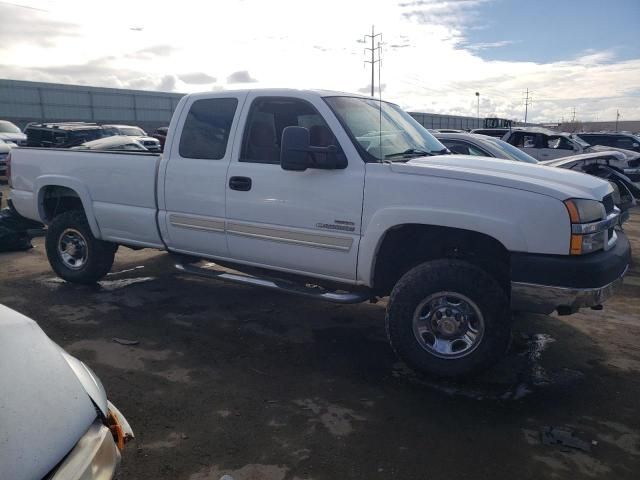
(500, 229)
(71, 183)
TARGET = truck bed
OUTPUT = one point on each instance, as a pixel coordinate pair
(117, 189)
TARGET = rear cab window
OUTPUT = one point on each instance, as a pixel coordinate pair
(206, 129)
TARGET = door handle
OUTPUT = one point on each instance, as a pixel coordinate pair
(242, 184)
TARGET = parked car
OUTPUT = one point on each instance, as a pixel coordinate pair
(62, 135)
(544, 144)
(5, 148)
(161, 135)
(117, 143)
(9, 132)
(482, 146)
(626, 141)
(57, 423)
(492, 132)
(150, 143)
(272, 183)
(612, 166)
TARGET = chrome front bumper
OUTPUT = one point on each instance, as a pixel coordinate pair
(535, 298)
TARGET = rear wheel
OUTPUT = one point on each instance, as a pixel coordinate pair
(448, 318)
(74, 253)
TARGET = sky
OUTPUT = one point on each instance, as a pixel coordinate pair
(436, 54)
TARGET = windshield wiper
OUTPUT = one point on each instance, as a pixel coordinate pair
(410, 152)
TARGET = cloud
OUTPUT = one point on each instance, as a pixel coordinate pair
(197, 78)
(162, 50)
(24, 25)
(367, 90)
(475, 47)
(167, 84)
(241, 76)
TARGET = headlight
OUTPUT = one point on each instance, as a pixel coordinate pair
(589, 226)
(585, 211)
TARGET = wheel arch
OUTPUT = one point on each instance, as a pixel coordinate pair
(58, 194)
(404, 246)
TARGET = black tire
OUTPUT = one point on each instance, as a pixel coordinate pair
(448, 275)
(99, 254)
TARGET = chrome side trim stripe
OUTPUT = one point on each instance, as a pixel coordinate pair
(195, 223)
(289, 236)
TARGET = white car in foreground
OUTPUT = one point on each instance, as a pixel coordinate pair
(55, 420)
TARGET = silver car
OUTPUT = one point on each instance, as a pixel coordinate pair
(55, 420)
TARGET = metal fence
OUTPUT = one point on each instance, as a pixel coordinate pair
(22, 102)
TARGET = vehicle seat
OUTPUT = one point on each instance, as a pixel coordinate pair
(262, 145)
(321, 136)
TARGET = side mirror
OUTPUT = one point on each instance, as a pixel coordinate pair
(296, 154)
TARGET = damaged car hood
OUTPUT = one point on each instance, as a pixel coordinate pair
(554, 182)
(44, 408)
(607, 157)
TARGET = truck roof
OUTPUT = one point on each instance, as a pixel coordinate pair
(274, 92)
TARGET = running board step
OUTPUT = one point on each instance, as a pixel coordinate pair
(276, 284)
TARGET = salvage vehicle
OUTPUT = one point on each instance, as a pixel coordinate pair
(626, 141)
(612, 166)
(343, 198)
(150, 143)
(9, 132)
(118, 143)
(5, 148)
(61, 134)
(57, 423)
(161, 135)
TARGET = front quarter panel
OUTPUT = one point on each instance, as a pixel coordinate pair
(520, 220)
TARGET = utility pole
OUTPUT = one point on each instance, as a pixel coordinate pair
(478, 113)
(617, 118)
(528, 100)
(373, 50)
(573, 115)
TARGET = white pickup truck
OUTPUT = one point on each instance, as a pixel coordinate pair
(344, 198)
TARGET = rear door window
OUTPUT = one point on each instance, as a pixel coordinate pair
(206, 130)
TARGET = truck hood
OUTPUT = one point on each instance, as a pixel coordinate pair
(554, 182)
(44, 407)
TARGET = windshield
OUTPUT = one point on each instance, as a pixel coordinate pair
(8, 127)
(513, 152)
(383, 130)
(132, 131)
(580, 141)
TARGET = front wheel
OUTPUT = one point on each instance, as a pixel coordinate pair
(448, 318)
(74, 253)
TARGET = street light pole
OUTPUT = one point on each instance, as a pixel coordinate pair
(478, 95)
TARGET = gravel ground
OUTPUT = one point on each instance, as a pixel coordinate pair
(262, 385)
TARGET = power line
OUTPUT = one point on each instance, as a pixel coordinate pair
(373, 51)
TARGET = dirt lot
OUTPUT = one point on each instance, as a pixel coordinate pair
(232, 379)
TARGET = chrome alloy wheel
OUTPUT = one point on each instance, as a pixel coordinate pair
(72, 248)
(448, 325)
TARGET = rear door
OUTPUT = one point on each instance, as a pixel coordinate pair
(301, 222)
(192, 207)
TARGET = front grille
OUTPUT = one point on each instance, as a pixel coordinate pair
(608, 203)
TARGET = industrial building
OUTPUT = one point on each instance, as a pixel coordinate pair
(435, 120)
(22, 102)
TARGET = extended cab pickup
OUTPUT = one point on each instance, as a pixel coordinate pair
(344, 198)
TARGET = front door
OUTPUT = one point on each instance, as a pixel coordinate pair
(555, 146)
(301, 222)
(192, 199)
